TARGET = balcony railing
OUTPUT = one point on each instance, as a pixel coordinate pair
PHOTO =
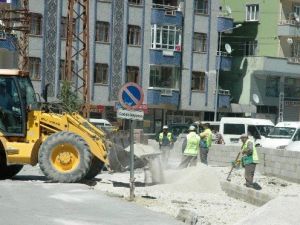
(295, 60)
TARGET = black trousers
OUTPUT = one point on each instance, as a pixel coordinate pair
(249, 173)
(203, 155)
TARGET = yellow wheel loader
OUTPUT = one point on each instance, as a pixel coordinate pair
(66, 146)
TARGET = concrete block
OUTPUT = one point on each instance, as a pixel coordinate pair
(187, 216)
(288, 174)
(249, 195)
(289, 167)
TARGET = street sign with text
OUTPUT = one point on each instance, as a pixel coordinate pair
(130, 114)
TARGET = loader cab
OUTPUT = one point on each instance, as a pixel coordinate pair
(16, 94)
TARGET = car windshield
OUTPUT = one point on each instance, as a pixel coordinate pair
(282, 132)
(264, 130)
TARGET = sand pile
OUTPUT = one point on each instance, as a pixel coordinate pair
(200, 179)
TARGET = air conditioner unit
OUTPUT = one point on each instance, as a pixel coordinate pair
(2, 35)
(166, 92)
(169, 12)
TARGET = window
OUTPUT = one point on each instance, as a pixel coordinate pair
(102, 31)
(134, 35)
(250, 48)
(297, 9)
(237, 129)
(64, 27)
(252, 12)
(199, 42)
(201, 6)
(166, 37)
(272, 86)
(35, 24)
(292, 88)
(34, 68)
(164, 77)
(296, 49)
(62, 75)
(101, 73)
(135, 2)
(132, 74)
(198, 81)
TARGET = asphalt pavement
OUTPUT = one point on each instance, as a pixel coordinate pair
(29, 199)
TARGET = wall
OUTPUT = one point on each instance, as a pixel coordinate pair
(269, 14)
(193, 61)
(279, 163)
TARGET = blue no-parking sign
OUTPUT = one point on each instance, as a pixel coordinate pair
(131, 96)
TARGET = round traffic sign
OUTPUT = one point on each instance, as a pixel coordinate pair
(131, 96)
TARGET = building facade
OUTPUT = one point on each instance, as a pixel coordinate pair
(167, 46)
(265, 76)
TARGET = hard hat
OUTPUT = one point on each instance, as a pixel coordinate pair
(192, 128)
(165, 127)
(243, 136)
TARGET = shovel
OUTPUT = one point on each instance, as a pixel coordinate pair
(233, 165)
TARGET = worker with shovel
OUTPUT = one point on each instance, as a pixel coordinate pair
(249, 159)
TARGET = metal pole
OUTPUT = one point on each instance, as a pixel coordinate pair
(131, 198)
(217, 77)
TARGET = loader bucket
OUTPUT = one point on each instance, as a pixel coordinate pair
(119, 159)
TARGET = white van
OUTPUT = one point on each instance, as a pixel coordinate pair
(102, 124)
(282, 135)
(231, 129)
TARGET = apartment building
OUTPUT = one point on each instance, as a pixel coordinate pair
(265, 76)
(167, 46)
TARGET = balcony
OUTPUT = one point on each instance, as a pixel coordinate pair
(166, 15)
(163, 97)
(225, 23)
(226, 62)
(224, 98)
(288, 28)
(165, 57)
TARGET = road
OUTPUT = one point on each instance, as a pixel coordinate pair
(30, 199)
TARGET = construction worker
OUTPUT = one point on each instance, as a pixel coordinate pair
(166, 142)
(191, 148)
(249, 159)
(205, 142)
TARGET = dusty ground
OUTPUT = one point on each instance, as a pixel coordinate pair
(196, 189)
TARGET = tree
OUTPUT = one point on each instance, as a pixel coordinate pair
(69, 99)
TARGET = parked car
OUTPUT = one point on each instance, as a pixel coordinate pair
(283, 134)
(103, 124)
(293, 146)
(231, 129)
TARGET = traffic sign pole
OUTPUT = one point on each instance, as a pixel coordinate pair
(132, 179)
(131, 96)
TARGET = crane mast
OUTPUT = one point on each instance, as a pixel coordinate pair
(77, 50)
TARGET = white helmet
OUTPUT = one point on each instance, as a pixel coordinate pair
(165, 127)
(192, 128)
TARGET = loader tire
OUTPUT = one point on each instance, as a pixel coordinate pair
(65, 157)
(6, 171)
(95, 168)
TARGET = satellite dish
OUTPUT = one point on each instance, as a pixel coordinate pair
(228, 48)
(290, 41)
(228, 9)
(255, 98)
